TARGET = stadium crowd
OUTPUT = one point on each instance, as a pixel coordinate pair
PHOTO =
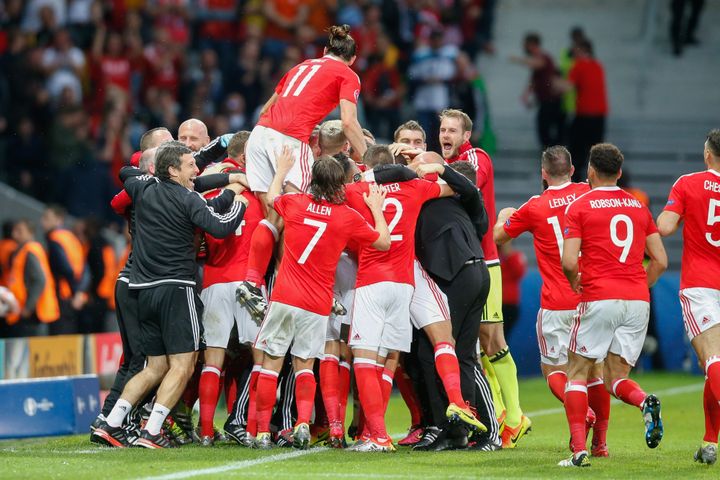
(315, 241)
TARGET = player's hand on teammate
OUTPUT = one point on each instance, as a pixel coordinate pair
(285, 159)
(575, 285)
(423, 169)
(375, 198)
(237, 188)
(405, 150)
(239, 178)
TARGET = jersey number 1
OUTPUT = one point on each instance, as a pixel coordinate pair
(303, 83)
(321, 226)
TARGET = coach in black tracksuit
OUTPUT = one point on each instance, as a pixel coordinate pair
(167, 212)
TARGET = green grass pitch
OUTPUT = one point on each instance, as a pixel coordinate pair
(536, 456)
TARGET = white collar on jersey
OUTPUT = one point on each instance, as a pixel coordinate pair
(558, 187)
(333, 57)
(715, 172)
(609, 188)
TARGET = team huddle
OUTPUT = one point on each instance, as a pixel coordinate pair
(310, 241)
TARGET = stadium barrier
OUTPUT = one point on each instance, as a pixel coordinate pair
(48, 406)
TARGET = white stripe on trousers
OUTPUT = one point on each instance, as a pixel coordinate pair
(486, 402)
(193, 316)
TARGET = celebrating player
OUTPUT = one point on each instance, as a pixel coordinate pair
(304, 96)
(544, 216)
(613, 230)
(695, 199)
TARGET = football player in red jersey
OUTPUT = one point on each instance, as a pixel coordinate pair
(302, 98)
(613, 230)
(544, 217)
(455, 132)
(318, 228)
(695, 200)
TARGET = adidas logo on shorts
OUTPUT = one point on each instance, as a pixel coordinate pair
(356, 337)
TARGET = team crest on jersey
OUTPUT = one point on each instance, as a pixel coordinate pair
(507, 222)
(670, 202)
(566, 231)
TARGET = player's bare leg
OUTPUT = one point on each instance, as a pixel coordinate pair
(707, 348)
(330, 389)
(365, 364)
(576, 406)
(617, 382)
(448, 369)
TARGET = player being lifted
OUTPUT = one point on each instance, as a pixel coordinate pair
(302, 98)
(695, 200)
(613, 230)
(318, 228)
(544, 217)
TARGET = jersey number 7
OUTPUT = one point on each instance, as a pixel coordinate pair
(321, 226)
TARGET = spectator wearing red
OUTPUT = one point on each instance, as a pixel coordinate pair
(514, 266)
(111, 68)
(383, 88)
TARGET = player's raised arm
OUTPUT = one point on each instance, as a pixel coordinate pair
(658, 258)
(268, 104)
(570, 264)
(352, 129)
(668, 223)
(499, 234)
(374, 200)
(285, 161)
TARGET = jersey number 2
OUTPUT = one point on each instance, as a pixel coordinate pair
(396, 218)
(303, 83)
(321, 226)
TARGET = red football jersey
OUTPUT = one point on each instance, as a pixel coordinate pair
(613, 226)
(402, 206)
(226, 259)
(315, 236)
(696, 198)
(486, 183)
(544, 217)
(307, 93)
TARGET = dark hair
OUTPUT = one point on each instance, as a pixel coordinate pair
(168, 155)
(25, 221)
(328, 181)
(606, 159)
(57, 210)
(7, 227)
(146, 141)
(586, 46)
(347, 165)
(713, 141)
(466, 169)
(409, 125)
(340, 43)
(237, 143)
(533, 38)
(378, 155)
(557, 161)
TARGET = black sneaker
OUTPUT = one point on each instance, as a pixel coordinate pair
(251, 297)
(96, 423)
(653, 421)
(104, 434)
(285, 439)
(239, 434)
(433, 437)
(153, 441)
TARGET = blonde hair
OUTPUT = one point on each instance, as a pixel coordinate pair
(467, 124)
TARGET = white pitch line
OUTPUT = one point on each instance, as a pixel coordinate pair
(236, 465)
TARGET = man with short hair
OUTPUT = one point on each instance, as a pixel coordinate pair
(412, 134)
(154, 138)
(332, 139)
(695, 200)
(455, 132)
(236, 147)
(614, 231)
(167, 212)
(544, 217)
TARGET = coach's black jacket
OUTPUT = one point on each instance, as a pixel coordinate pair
(166, 215)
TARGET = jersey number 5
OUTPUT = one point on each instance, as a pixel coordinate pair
(712, 220)
(303, 83)
(321, 226)
(626, 242)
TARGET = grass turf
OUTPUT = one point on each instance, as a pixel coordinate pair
(536, 456)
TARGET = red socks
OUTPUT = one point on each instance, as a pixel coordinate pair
(267, 381)
(557, 381)
(370, 396)
(446, 364)
(576, 406)
(252, 401)
(209, 392)
(712, 414)
(304, 395)
(385, 377)
(261, 250)
(404, 384)
(329, 386)
(712, 372)
(629, 392)
(343, 390)
(599, 400)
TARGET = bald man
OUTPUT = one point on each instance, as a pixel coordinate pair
(194, 134)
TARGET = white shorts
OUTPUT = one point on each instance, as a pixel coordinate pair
(700, 309)
(553, 331)
(285, 325)
(614, 326)
(221, 311)
(429, 304)
(381, 317)
(262, 147)
(344, 292)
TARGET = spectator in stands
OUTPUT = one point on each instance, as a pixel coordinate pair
(567, 61)
(249, 75)
(382, 88)
(36, 9)
(102, 270)
(283, 18)
(64, 66)
(681, 32)
(514, 266)
(550, 120)
(110, 67)
(32, 284)
(67, 263)
(432, 68)
(26, 166)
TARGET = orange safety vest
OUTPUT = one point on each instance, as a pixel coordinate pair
(75, 254)
(106, 287)
(7, 247)
(47, 308)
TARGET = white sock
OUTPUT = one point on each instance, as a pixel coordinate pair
(157, 417)
(118, 413)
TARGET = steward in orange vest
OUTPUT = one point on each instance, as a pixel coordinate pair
(66, 255)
